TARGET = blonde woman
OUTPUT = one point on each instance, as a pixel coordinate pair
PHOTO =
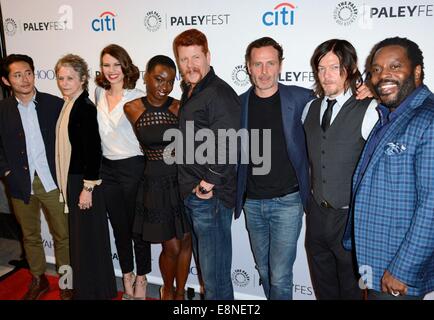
(78, 158)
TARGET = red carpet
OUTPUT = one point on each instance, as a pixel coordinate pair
(16, 285)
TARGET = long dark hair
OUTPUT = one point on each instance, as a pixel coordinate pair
(347, 59)
(130, 70)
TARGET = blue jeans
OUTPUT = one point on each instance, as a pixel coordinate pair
(212, 244)
(274, 226)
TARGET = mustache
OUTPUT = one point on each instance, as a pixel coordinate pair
(190, 70)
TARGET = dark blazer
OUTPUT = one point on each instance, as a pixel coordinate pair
(293, 100)
(13, 152)
(86, 152)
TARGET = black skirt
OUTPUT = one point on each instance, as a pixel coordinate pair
(91, 260)
(160, 214)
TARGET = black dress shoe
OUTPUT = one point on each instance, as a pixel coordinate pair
(66, 294)
(19, 264)
(37, 288)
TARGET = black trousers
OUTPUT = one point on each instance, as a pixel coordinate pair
(120, 183)
(375, 295)
(332, 268)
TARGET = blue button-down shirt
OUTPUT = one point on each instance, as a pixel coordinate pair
(386, 119)
(35, 146)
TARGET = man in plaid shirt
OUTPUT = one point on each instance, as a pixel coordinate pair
(391, 227)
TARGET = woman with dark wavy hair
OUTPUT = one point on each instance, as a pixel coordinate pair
(122, 163)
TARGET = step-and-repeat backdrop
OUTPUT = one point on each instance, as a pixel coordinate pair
(48, 29)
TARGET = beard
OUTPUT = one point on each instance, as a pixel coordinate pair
(405, 88)
(264, 82)
(191, 74)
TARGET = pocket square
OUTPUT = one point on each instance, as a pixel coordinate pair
(394, 148)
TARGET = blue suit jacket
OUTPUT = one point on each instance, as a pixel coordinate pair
(13, 152)
(293, 100)
(393, 202)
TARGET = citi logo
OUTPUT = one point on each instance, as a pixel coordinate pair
(105, 22)
(282, 14)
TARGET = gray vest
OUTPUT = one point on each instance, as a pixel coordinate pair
(333, 155)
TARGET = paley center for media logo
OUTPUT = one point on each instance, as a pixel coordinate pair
(345, 13)
(240, 278)
(105, 22)
(282, 14)
(153, 20)
(240, 76)
(10, 26)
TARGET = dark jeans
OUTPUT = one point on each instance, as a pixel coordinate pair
(212, 244)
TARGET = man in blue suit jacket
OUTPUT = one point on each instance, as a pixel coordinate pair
(27, 146)
(392, 224)
(273, 202)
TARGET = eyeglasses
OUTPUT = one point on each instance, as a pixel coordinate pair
(20, 75)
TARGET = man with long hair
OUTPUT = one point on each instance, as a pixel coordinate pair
(336, 126)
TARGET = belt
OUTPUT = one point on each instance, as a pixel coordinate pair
(327, 205)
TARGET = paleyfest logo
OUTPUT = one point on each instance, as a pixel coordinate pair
(240, 278)
(240, 76)
(282, 14)
(153, 21)
(64, 22)
(10, 26)
(345, 13)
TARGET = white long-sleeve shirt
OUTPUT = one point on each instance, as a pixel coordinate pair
(118, 140)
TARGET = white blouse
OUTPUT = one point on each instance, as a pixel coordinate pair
(118, 140)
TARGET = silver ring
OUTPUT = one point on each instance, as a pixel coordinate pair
(395, 293)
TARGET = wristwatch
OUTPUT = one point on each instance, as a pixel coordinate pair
(202, 190)
(88, 189)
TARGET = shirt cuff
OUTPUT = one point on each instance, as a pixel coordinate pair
(91, 183)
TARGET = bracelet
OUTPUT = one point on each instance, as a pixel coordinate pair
(88, 189)
(202, 190)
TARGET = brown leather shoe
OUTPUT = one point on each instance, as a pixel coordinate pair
(66, 294)
(37, 288)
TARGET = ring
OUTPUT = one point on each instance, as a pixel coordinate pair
(395, 293)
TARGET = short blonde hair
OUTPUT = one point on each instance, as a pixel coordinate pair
(78, 64)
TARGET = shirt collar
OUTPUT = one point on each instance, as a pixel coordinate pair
(201, 84)
(342, 98)
(33, 98)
